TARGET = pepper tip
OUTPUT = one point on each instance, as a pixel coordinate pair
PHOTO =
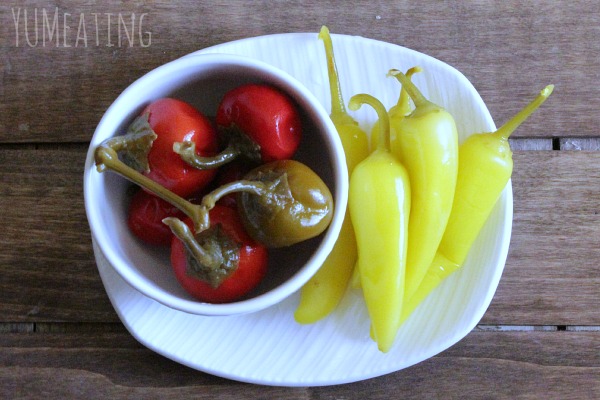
(354, 104)
(547, 91)
(323, 32)
(392, 72)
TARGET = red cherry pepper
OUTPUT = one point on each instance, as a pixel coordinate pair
(175, 121)
(146, 213)
(250, 259)
(259, 122)
(266, 115)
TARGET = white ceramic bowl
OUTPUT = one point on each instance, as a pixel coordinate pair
(202, 80)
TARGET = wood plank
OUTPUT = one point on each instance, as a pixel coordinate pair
(53, 93)
(507, 365)
(108, 365)
(47, 270)
(552, 276)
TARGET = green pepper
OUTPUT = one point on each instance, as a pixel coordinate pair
(485, 167)
(379, 202)
(427, 144)
(323, 292)
(281, 203)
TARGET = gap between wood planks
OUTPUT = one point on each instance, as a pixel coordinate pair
(110, 327)
(556, 143)
(543, 328)
(517, 143)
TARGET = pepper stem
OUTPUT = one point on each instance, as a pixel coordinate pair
(187, 152)
(338, 110)
(412, 90)
(510, 126)
(384, 120)
(255, 187)
(183, 233)
(106, 157)
(402, 108)
(212, 255)
(238, 144)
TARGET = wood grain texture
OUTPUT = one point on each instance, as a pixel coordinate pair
(540, 337)
(512, 365)
(552, 276)
(53, 93)
(47, 267)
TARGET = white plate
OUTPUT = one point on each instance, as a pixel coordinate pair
(269, 347)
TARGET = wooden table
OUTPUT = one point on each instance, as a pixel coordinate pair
(61, 338)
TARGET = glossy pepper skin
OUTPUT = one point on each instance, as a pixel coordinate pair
(295, 205)
(379, 200)
(257, 122)
(264, 113)
(245, 264)
(145, 216)
(323, 292)
(427, 144)
(174, 120)
(485, 167)
(396, 113)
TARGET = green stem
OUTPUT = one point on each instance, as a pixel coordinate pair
(384, 120)
(239, 145)
(402, 108)
(255, 187)
(183, 233)
(509, 127)
(412, 90)
(187, 151)
(218, 257)
(212, 255)
(135, 144)
(337, 100)
(106, 157)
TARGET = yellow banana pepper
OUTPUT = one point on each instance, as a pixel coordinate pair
(427, 144)
(323, 292)
(379, 202)
(397, 112)
(485, 167)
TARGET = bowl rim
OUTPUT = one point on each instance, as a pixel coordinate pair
(339, 172)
